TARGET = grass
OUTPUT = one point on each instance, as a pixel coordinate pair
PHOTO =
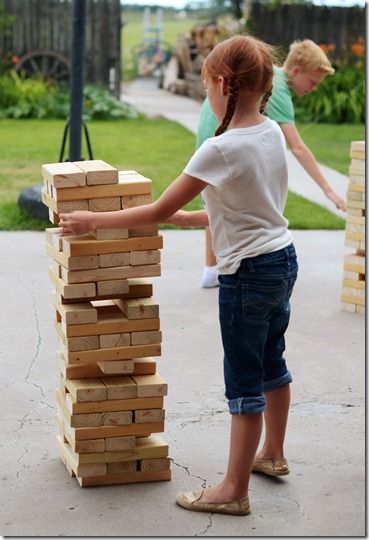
(330, 143)
(158, 149)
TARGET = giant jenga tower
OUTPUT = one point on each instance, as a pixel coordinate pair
(353, 291)
(110, 396)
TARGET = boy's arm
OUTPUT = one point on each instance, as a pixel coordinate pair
(308, 161)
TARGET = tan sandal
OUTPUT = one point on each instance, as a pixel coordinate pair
(191, 500)
(271, 467)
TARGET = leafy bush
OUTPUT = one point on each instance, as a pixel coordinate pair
(36, 98)
(339, 99)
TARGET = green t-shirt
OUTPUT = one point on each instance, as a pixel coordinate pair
(279, 108)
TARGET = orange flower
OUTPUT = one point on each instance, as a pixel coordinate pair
(327, 47)
(14, 59)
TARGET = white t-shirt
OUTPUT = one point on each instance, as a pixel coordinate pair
(246, 170)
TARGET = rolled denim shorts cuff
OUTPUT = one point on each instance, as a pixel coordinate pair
(277, 383)
(247, 405)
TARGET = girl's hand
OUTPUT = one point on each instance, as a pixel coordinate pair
(336, 199)
(77, 222)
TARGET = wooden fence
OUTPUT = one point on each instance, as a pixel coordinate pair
(47, 25)
(284, 24)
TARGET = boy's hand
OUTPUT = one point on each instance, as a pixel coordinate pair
(77, 222)
(336, 199)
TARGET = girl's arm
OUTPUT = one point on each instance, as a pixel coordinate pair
(182, 218)
(178, 194)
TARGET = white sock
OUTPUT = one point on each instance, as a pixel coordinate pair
(209, 277)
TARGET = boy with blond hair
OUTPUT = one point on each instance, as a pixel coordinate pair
(305, 67)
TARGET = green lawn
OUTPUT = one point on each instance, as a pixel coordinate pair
(330, 143)
(159, 149)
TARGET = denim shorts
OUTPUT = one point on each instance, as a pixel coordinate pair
(254, 312)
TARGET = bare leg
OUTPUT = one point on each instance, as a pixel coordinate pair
(275, 416)
(209, 277)
(210, 259)
(245, 436)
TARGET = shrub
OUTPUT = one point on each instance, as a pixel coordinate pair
(36, 98)
(339, 98)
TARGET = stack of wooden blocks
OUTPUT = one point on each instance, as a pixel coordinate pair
(110, 396)
(353, 292)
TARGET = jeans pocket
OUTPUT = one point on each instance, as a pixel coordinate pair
(259, 300)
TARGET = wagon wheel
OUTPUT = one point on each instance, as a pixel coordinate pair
(49, 64)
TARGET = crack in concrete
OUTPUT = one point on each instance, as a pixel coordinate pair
(203, 480)
(18, 473)
(207, 528)
(35, 357)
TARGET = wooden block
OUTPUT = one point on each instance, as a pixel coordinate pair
(110, 234)
(136, 186)
(98, 172)
(119, 444)
(131, 201)
(125, 478)
(114, 259)
(141, 366)
(150, 385)
(357, 166)
(356, 179)
(138, 308)
(117, 367)
(122, 467)
(149, 415)
(358, 212)
(91, 446)
(148, 230)
(87, 245)
(54, 238)
(112, 287)
(63, 175)
(109, 274)
(119, 388)
(351, 299)
(127, 449)
(104, 204)
(355, 196)
(137, 430)
(348, 307)
(117, 418)
(144, 338)
(83, 343)
(111, 405)
(53, 216)
(72, 291)
(86, 420)
(355, 235)
(115, 340)
(356, 204)
(155, 464)
(144, 257)
(71, 206)
(86, 389)
(85, 469)
(112, 353)
(358, 146)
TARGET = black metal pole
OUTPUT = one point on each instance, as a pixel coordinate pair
(76, 80)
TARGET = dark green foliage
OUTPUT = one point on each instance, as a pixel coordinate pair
(339, 99)
(35, 98)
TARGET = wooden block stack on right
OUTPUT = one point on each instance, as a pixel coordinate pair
(353, 291)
